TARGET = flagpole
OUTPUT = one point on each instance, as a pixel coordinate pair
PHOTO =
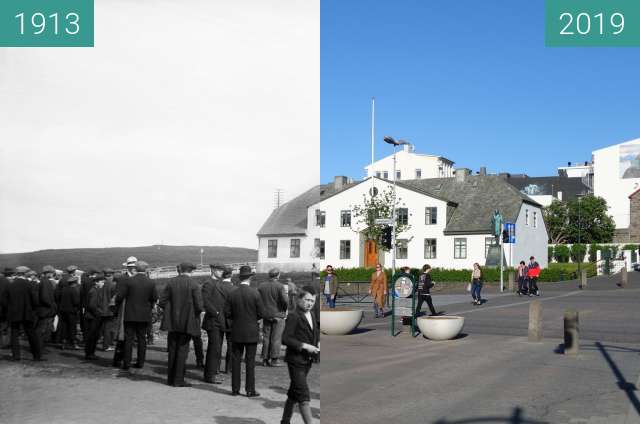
(373, 137)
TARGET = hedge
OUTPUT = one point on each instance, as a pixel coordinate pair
(561, 253)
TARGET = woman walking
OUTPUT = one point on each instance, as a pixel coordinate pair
(476, 284)
(424, 290)
(378, 290)
(521, 273)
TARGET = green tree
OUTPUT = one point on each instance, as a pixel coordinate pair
(561, 253)
(584, 218)
(578, 252)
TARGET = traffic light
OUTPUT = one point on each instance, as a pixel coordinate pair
(385, 240)
(505, 236)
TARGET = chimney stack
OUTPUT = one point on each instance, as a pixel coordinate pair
(483, 170)
(461, 174)
(339, 182)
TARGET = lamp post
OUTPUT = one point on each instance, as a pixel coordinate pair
(395, 143)
(579, 232)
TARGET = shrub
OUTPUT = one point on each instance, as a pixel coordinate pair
(561, 253)
(550, 253)
(565, 271)
(578, 251)
(630, 247)
(593, 252)
(614, 250)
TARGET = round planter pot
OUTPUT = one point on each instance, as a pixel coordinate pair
(441, 327)
(338, 322)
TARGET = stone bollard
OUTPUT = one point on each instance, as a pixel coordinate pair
(571, 332)
(535, 321)
(624, 277)
(583, 279)
(512, 277)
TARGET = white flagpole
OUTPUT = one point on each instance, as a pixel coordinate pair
(373, 137)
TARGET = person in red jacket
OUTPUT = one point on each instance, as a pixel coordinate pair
(533, 272)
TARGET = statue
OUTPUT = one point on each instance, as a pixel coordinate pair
(496, 222)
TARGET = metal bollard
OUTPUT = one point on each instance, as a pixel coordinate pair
(535, 321)
(624, 277)
(583, 279)
(512, 278)
(571, 332)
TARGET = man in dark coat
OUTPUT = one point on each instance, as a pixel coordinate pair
(244, 308)
(214, 297)
(67, 296)
(46, 309)
(20, 300)
(301, 336)
(227, 288)
(96, 307)
(182, 304)
(87, 280)
(4, 325)
(140, 295)
(275, 304)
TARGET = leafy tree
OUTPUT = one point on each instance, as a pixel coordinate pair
(593, 249)
(549, 253)
(561, 253)
(584, 218)
(578, 252)
(378, 206)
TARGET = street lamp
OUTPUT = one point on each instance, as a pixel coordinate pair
(390, 140)
(579, 196)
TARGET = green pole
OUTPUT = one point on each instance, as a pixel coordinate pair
(413, 310)
(393, 307)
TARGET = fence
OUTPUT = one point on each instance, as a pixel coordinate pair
(201, 270)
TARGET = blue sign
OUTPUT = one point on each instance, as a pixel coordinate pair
(510, 227)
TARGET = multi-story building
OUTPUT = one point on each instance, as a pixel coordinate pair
(411, 165)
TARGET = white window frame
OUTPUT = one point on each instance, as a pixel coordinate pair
(432, 249)
(418, 173)
(275, 245)
(345, 249)
(294, 250)
(431, 214)
(463, 246)
(342, 214)
(402, 244)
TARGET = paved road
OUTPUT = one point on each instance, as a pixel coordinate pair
(492, 373)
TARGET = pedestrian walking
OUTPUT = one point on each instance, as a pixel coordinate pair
(182, 304)
(476, 284)
(244, 307)
(533, 272)
(20, 300)
(301, 336)
(330, 287)
(140, 295)
(378, 290)
(521, 275)
(275, 304)
(214, 298)
(423, 290)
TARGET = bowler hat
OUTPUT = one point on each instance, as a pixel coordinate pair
(218, 265)
(245, 271)
(131, 261)
(274, 272)
(72, 268)
(228, 272)
(22, 269)
(48, 268)
(186, 267)
(141, 266)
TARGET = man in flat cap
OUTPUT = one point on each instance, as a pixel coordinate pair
(275, 302)
(140, 295)
(244, 307)
(214, 297)
(46, 309)
(67, 296)
(20, 300)
(181, 301)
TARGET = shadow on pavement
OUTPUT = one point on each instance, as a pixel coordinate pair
(283, 391)
(237, 420)
(623, 384)
(517, 417)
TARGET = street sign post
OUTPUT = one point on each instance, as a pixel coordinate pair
(383, 221)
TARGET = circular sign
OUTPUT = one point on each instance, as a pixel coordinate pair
(373, 191)
(403, 285)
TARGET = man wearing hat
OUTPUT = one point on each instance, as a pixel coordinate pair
(275, 302)
(108, 291)
(97, 308)
(4, 325)
(227, 287)
(20, 300)
(140, 295)
(87, 281)
(214, 297)
(46, 309)
(244, 308)
(67, 296)
(182, 304)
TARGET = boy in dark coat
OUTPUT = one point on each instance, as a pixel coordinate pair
(301, 336)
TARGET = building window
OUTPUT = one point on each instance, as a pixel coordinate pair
(403, 216)
(378, 174)
(385, 175)
(319, 248)
(398, 175)
(430, 216)
(526, 217)
(418, 173)
(488, 242)
(535, 219)
(320, 218)
(460, 248)
(345, 218)
(345, 249)
(440, 171)
(429, 248)
(295, 248)
(402, 249)
(272, 251)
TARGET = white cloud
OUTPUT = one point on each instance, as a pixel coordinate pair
(177, 127)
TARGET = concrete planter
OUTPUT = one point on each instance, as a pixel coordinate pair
(338, 322)
(440, 327)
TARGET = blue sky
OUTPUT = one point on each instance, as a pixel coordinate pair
(468, 80)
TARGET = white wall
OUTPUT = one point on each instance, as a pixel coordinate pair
(578, 171)
(407, 163)
(283, 260)
(609, 185)
(530, 241)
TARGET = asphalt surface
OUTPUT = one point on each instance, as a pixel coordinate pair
(492, 373)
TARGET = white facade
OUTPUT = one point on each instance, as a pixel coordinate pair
(531, 238)
(612, 179)
(283, 258)
(577, 171)
(411, 166)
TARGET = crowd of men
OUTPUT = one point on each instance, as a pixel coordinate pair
(117, 308)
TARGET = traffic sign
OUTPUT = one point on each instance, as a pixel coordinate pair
(510, 227)
(384, 221)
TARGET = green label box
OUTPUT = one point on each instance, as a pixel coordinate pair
(592, 23)
(46, 23)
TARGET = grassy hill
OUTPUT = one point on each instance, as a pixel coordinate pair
(157, 255)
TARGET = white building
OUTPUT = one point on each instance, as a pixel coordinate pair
(450, 221)
(578, 170)
(410, 165)
(616, 172)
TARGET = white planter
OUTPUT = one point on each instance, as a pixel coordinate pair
(338, 322)
(440, 327)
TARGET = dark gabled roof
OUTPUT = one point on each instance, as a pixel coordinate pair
(549, 186)
(476, 198)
